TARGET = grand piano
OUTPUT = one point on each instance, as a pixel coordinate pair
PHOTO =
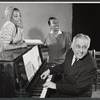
(20, 74)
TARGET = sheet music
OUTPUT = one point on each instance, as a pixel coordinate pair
(36, 60)
(28, 65)
(32, 61)
(33, 41)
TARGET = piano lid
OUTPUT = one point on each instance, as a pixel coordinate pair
(11, 55)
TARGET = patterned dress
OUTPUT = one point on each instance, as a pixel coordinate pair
(10, 34)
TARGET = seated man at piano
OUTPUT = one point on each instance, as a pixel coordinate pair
(79, 70)
(11, 34)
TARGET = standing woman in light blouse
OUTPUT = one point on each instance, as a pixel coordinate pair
(11, 34)
(57, 41)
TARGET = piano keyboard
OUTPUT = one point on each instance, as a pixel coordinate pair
(44, 91)
(39, 91)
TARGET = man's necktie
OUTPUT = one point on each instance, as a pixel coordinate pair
(74, 60)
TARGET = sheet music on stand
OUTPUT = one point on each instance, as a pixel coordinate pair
(28, 65)
(33, 41)
(32, 62)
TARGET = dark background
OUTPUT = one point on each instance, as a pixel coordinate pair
(86, 19)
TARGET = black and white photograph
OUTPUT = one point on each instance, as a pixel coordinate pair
(50, 50)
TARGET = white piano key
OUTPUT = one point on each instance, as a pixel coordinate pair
(44, 91)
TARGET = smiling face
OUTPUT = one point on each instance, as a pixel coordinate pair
(54, 24)
(80, 47)
(16, 16)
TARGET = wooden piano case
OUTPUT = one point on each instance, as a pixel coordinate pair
(13, 78)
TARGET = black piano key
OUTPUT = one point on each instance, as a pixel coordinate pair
(39, 87)
(36, 94)
(38, 90)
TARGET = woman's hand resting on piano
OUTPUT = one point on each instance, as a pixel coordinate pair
(45, 74)
(49, 85)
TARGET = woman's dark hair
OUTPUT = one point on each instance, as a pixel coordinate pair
(16, 9)
(51, 18)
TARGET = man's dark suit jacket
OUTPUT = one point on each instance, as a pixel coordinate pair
(78, 78)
